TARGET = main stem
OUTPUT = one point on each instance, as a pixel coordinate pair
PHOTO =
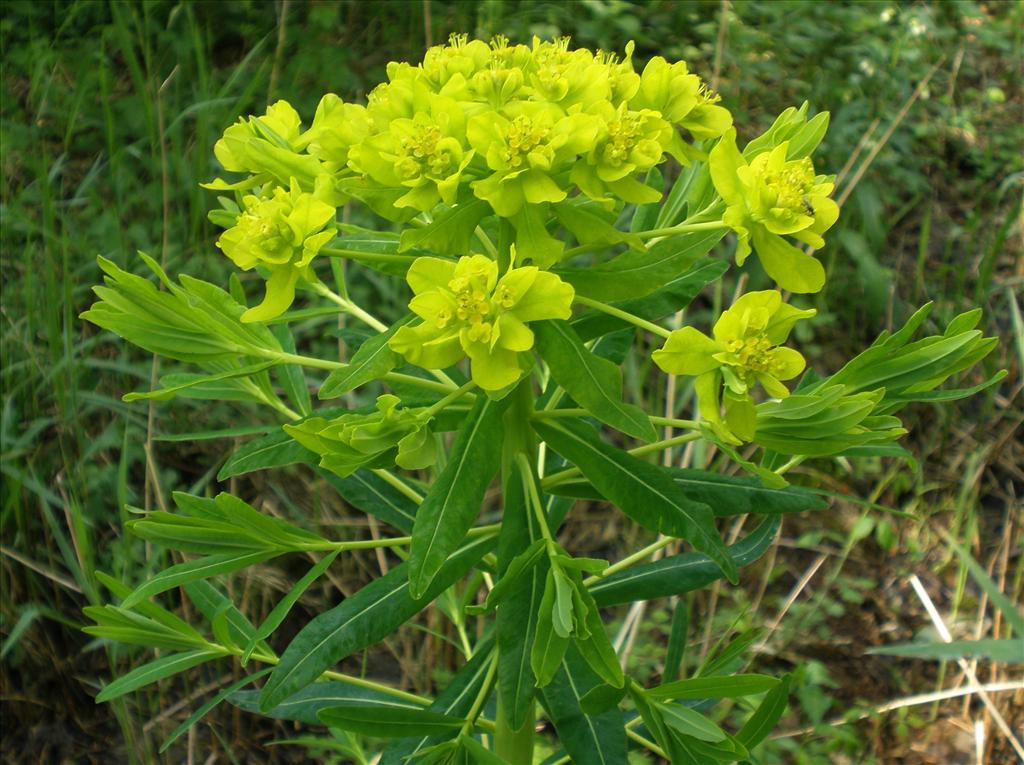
(512, 745)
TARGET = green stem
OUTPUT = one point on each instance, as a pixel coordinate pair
(515, 745)
(682, 228)
(402, 487)
(455, 395)
(531, 492)
(625, 563)
(349, 307)
(624, 315)
(481, 697)
(368, 257)
(370, 544)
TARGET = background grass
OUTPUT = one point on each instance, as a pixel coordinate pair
(109, 114)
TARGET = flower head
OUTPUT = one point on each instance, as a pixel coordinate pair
(281, 231)
(769, 198)
(467, 310)
(745, 350)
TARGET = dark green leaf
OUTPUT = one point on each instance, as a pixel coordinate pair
(361, 620)
(641, 490)
(307, 703)
(193, 570)
(200, 713)
(453, 502)
(373, 495)
(155, 670)
(1007, 649)
(635, 274)
(389, 722)
(274, 450)
(767, 714)
(595, 384)
(451, 231)
(728, 687)
(373, 360)
(677, 574)
(595, 740)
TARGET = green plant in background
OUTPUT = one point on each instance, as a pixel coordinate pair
(534, 227)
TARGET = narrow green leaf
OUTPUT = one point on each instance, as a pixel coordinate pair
(274, 450)
(275, 617)
(592, 739)
(635, 274)
(305, 705)
(359, 621)
(682, 573)
(210, 601)
(454, 499)
(514, 576)
(723, 660)
(690, 722)
(200, 713)
(595, 383)
(674, 296)
(153, 671)
(373, 360)
(373, 495)
(1006, 649)
(382, 722)
(641, 490)
(767, 714)
(730, 687)
(451, 231)
(168, 392)
(202, 568)
(548, 647)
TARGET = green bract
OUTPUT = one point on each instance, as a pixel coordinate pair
(467, 310)
(745, 351)
(281, 231)
(389, 436)
(772, 197)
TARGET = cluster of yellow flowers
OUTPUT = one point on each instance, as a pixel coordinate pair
(529, 129)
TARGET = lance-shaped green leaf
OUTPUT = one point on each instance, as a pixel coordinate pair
(370, 493)
(375, 249)
(641, 490)
(598, 739)
(595, 383)
(674, 296)
(767, 714)
(690, 722)
(1007, 649)
(124, 626)
(728, 687)
(456, 700)
(305, 705)
(681, 573)
(202, 568)
(513, 579)
(291, 376)
(273, 450)
(155, 670)
(451, 230)
(212, 603)
(171, 389)
(635, 274)
(726, 495)
(200, 713)
(453, 502)
(275, 617)
(591, 224)
(373, 360)
(360, 621)
(385, 722)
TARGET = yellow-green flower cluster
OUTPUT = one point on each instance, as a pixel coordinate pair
(772, 197)
(467, 310)
(282, 231)
(744, 351)
(511, 124)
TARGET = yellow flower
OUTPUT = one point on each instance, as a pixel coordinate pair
(467, 310)
(744, 351)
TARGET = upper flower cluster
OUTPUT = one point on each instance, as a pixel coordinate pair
(510, 124)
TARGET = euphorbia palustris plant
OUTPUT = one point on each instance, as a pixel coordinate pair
(524, 204)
